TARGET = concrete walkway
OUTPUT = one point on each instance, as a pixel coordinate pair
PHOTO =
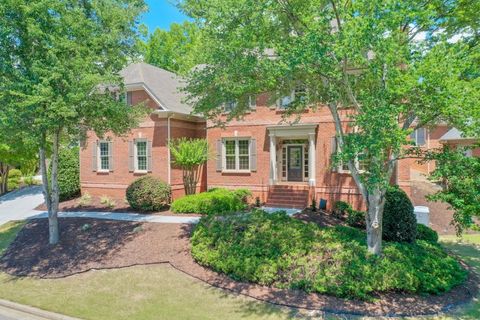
(123, 216)
(14, 311)
(20, 204)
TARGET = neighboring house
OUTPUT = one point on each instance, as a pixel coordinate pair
(110, 164)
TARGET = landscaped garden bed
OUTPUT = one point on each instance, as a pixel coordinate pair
(102, 244)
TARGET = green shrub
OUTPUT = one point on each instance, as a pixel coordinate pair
(30, 181)
(276, 250)
(14, 176)
(68, 173)
(426, 233)
(341, 208)
(356, 218)
(214, 201)
(399, 221)
(148, 194)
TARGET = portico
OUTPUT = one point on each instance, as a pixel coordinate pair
(292, 153)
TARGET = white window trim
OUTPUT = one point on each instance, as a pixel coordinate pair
(292, 96)
(415, 137)
(135, 155)
(237, 155)
(99, 156)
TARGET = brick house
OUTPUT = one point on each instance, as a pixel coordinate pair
(284, 163)
(110, 164)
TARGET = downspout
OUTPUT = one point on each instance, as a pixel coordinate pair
(169, 167)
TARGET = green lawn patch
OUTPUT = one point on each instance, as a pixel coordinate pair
(275, 249)
(468, 249)
(8, 232)
(214, 201)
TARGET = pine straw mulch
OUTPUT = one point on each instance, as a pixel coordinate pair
(88, 244)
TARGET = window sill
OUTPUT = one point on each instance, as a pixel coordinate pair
(236, 171)
(140, 171)
(103, 171)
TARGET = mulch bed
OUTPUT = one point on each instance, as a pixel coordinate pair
(321, 218)
(99, 244)
(95, 205)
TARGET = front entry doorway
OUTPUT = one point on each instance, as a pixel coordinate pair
(295, 163)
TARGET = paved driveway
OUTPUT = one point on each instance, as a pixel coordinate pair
(19, 204)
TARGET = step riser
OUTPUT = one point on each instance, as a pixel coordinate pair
(293, 203)
(286, 198)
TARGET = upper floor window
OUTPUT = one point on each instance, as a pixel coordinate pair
(229, 106)
(252, 101)
(300, 94)
(237, 154)
(419, 136)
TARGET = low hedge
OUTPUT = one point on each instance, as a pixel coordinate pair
(277, 250)
(212, 202)
(148, 194)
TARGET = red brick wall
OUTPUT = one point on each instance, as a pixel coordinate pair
(153, 128)
(330, 185)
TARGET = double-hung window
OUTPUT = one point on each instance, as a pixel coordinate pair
(419, 136)
(236, 155)
(299, 94)
(141, 155)
(104, 155)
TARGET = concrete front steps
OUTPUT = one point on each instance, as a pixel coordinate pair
(288, 196)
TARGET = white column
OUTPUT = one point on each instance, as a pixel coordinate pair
(273, 159)
(311, 159)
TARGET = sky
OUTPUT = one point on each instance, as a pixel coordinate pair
(161, 14)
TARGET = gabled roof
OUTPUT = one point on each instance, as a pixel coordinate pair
(163, 85)
(452, 134)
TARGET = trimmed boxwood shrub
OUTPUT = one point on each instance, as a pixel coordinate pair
(217, 200)
(426, 233)
(276, 250)
(399, 221)
(148, 194)
(68, 173)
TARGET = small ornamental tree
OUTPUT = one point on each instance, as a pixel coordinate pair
(189, 155)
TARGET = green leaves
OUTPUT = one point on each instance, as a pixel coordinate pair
(189, 153)
(177, 50)
(57, 54)
(459, 176)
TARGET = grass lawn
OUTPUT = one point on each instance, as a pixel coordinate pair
(160, 292)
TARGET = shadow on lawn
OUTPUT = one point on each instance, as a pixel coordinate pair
(83, 244)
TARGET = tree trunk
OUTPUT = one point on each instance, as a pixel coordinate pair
(376, 202)
(4, 169)
(190, 180)
(51, 193)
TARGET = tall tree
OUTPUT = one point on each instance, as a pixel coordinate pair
(381, 67)
(177, 50)
(59, 64)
